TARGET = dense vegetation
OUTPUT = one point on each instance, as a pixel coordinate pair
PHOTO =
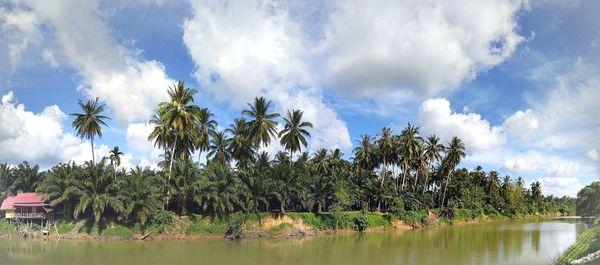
(401, 174)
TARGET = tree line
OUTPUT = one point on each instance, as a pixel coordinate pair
(387, 173)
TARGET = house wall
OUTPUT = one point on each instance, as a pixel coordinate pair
(9, 214)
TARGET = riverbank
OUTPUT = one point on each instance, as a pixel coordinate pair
(262, 225)
(587, 244)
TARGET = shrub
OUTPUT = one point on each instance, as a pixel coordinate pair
(161, 220)
(234, 230)
(6, 228)
(414, 217)
(64, 226)
(361, 223)
(279, 228)
(205, 229)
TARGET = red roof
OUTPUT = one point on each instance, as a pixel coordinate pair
(23, 199)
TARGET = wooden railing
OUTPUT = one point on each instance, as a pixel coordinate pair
(30, 215)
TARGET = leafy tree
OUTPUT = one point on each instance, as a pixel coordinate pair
(588, 200)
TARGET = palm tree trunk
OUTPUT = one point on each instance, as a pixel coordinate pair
(172, 157)
(427, 176)
(199, 155)
(446, 187)
(93, 156)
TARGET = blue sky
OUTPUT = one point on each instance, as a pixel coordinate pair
(518, 81)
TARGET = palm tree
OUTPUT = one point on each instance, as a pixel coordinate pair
(364, 154)
(410, 139)
(219, 147)
(204, 125)
(240, 145)
(184, 184)
(115, 158)
(454, 154)
(386, 149)
(262, 124)
(88, 124)
(219, 191)
(94, 189)
(54, 185)
(180, 114)
(143, 198)
(161, 135)
(294, 134)
(433, 152)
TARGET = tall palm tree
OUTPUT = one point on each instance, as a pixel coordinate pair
(204, 125)
(262, 123)
(433, 152)
(88, 124)
(240, 145)
(115, 158)
(295, 132)
(410, 139)
(364, 154)
(454, 154)
(219, 147)
(386, 148)
(161, 135)
(180, 114)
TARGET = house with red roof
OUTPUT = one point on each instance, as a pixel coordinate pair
(26, 207)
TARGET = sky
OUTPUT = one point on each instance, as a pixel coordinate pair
(518, 81)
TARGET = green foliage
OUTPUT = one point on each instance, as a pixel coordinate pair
(414, 217)
(117, 231)
(161, 220)
(205, 229)
(361, 223)
(234, 230)
(588, 200)
(6, 228)
(64, 226)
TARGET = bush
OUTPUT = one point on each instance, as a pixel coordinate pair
(64, 226)
(279, 228)
(463, 214)
(6, 228)
(117, 231)
(414, 217)
(161, 220)
(234, 230)
(361, 223)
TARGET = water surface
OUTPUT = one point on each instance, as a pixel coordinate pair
(513, 242)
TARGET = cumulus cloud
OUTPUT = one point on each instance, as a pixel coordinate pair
(520, 165)
(562, 179)
(245, 49)
(143, 152)
(428, 46)
(38, 137)
(129, 85)
(477, 134)
(522, 124)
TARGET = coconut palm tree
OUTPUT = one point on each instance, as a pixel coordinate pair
(409, 141)
(386, 149)
(262, 123)
(115, 158)
(180, 114)
(364, 154)
(433, 152)
(294, 134)
(204, 125)
(88, 124)
(161, 135)
(240, 145)
(219, 147)
(455, 153)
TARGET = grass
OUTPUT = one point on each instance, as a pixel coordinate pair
(327, 221)
(6, 228)
(117, 231)
(587, 243)
(64, 227)
(205, 229)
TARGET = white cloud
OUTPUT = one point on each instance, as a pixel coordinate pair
(592, 155)
(520, 165)
(245, 49)
(562, 179)
(522, 124)
(477, 134)
(38, 137)
(144, 152)
(428, 46)
(129, 85)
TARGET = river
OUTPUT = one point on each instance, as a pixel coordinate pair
(510, 242)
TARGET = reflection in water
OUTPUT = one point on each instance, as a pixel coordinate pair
(523, 242)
